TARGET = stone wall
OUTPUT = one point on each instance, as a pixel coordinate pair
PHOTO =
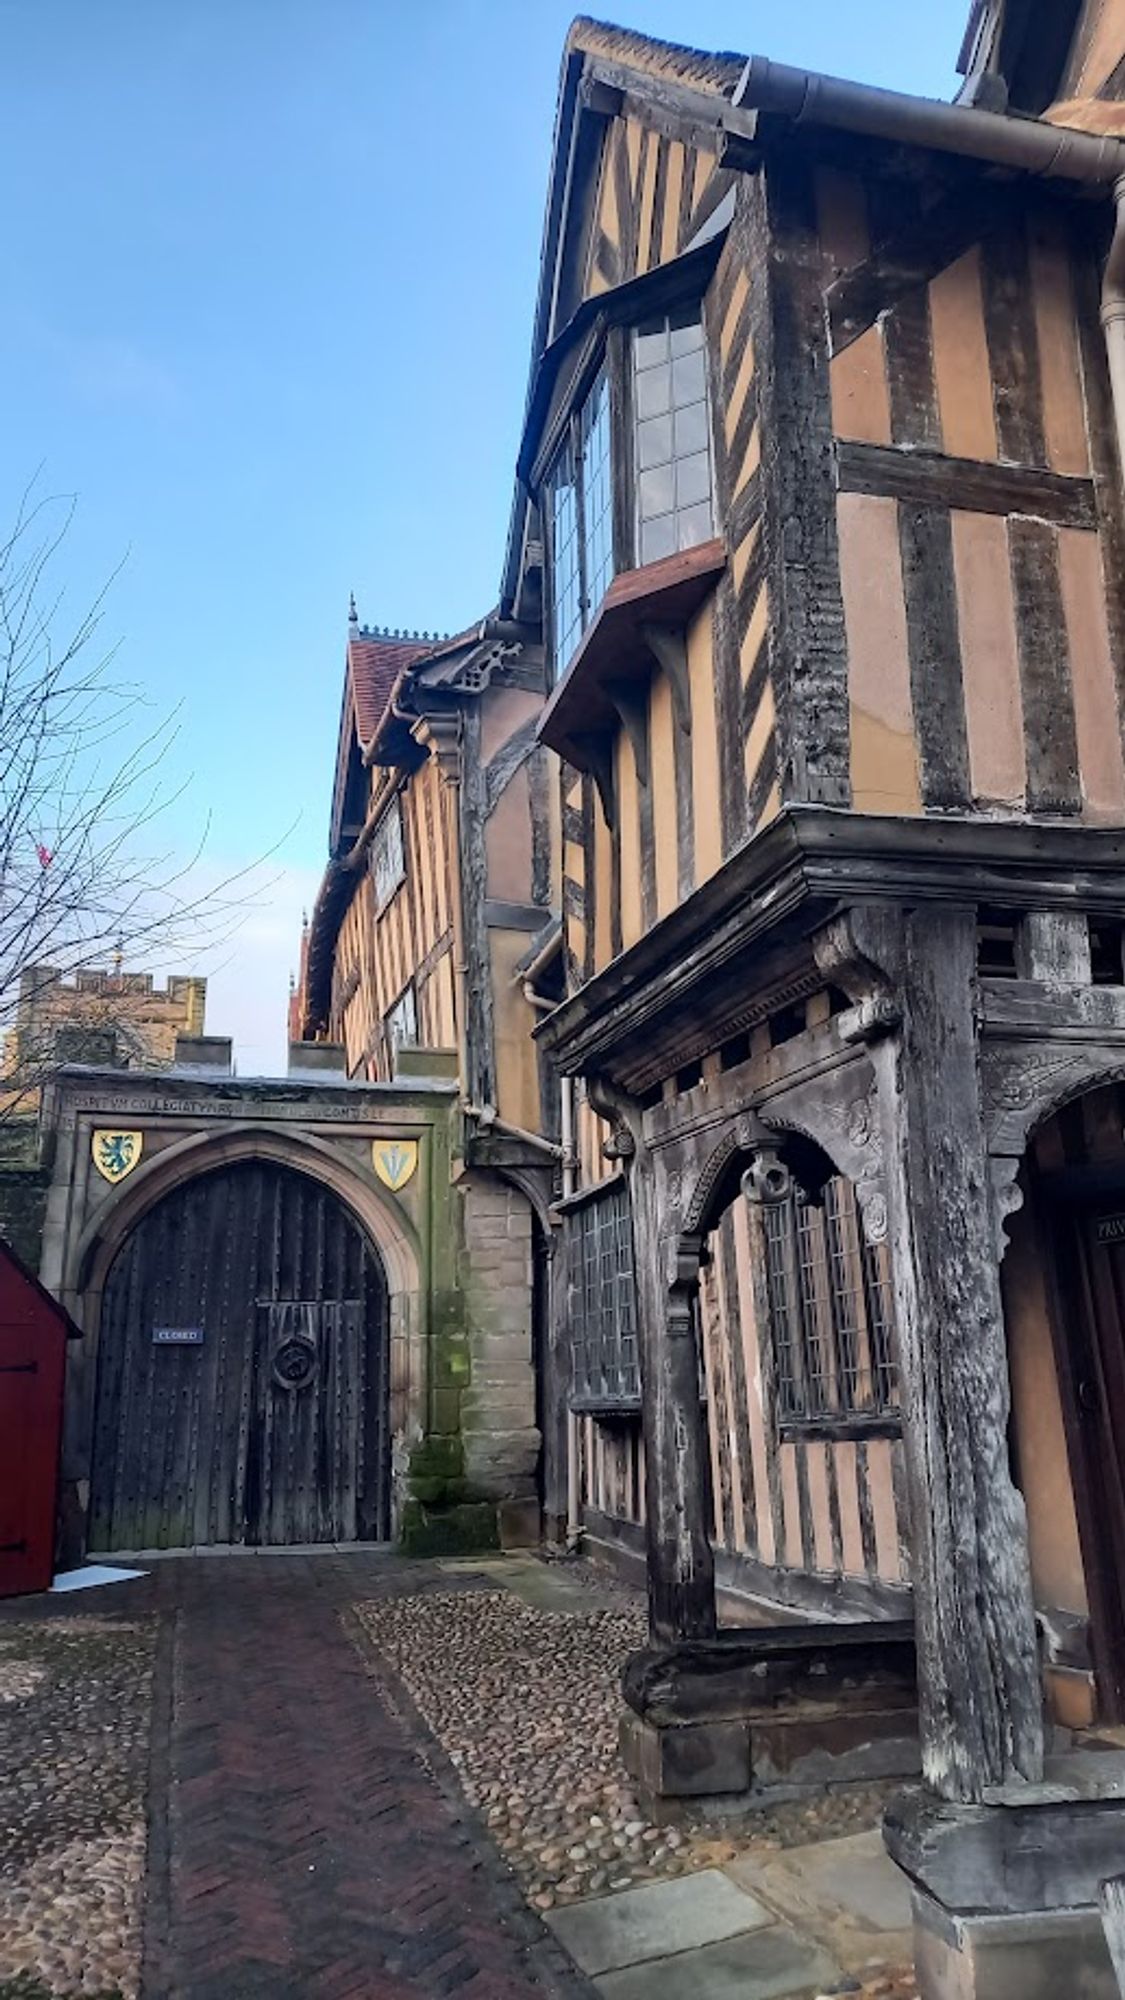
(498, 1429)
(23, 1189)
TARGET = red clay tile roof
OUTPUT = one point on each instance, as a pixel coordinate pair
(374, 666)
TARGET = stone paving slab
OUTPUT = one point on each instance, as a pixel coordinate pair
(773, 1964)
(651, 1922)
(847, 1893)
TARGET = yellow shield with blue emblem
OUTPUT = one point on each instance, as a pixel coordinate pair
(395, 1161)
(116, 1153)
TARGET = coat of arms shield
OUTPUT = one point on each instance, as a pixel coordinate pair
(395, 1161)
(116, 1153)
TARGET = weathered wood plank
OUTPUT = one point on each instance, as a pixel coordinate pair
(1013, 346)
(799, 484)
(911, 383)
(1054, 946)
(901, 264)
(732, 1323)
(1111, 1899)
(978, 1661)
(681, 1569)
(1050, 736)
(934, 479)
(1103, 455)
(590, 902)
(934, 645)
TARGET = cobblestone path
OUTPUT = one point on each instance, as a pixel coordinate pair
(305, 1841)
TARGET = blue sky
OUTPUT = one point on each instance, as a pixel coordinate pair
(269, 274)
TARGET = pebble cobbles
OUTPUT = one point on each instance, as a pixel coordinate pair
(75, 1698)
(525, 1702)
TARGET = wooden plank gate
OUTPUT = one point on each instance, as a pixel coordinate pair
(33, 1336)
(242, 1374)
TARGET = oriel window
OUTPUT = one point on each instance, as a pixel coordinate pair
(580, 511)
(672, 433)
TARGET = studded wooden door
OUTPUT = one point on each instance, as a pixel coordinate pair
(242, 1371)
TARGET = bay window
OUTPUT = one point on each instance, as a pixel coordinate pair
(630, 481)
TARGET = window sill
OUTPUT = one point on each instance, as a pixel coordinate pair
(619, 1410)
(838, 1430)
(616, 656)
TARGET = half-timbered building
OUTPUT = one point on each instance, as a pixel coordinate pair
(821, 493)
(431, 946)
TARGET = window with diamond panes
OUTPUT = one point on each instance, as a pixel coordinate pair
(388, 861)
(673, 435)
(606, 1372)
(831, 1314)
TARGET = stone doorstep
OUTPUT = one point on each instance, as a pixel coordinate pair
(657, 1920)
(847, 1893)
(770, 1964)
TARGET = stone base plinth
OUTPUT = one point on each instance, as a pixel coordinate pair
(1053, 1954)
(1006, 1894)
(773, 1712)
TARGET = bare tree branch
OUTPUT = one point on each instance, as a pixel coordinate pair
(85, 881)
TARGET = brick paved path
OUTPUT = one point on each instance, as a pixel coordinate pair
(306, 1838)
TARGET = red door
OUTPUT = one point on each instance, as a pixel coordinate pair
(33, 1331)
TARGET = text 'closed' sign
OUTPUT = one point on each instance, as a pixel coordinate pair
(177, 1336)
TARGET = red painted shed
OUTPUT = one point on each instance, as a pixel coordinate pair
(34, 1331)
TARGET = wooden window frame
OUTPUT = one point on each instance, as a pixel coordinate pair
(608, 348)
(390, 1045)
(805, 1323)
(393, 812)
(610, 1386)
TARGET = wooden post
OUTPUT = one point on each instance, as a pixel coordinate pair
(980, 1694)
(1112, 1901)
(681, 1565)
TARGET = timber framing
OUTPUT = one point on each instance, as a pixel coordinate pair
(786, 883)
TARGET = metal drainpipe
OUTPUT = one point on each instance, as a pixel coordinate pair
(1113, 319)
(569, 1186)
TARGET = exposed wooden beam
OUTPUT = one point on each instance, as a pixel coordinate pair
(934, 479)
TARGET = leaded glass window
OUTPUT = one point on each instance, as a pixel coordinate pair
(388, 859)
(831, 1312)
(580, 516)
(603, 1309)
(673, 435)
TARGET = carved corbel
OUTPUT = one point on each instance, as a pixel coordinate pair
(594, 753)
(871, 1019)
(621, 1114)
(1007, 1197)
(441, 736)
(767, 1179)
(861, 951)
(669, 649)
(632, 708)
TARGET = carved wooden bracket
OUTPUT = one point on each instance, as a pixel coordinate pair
(668, 647)
(597, 752)
(631, 704)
